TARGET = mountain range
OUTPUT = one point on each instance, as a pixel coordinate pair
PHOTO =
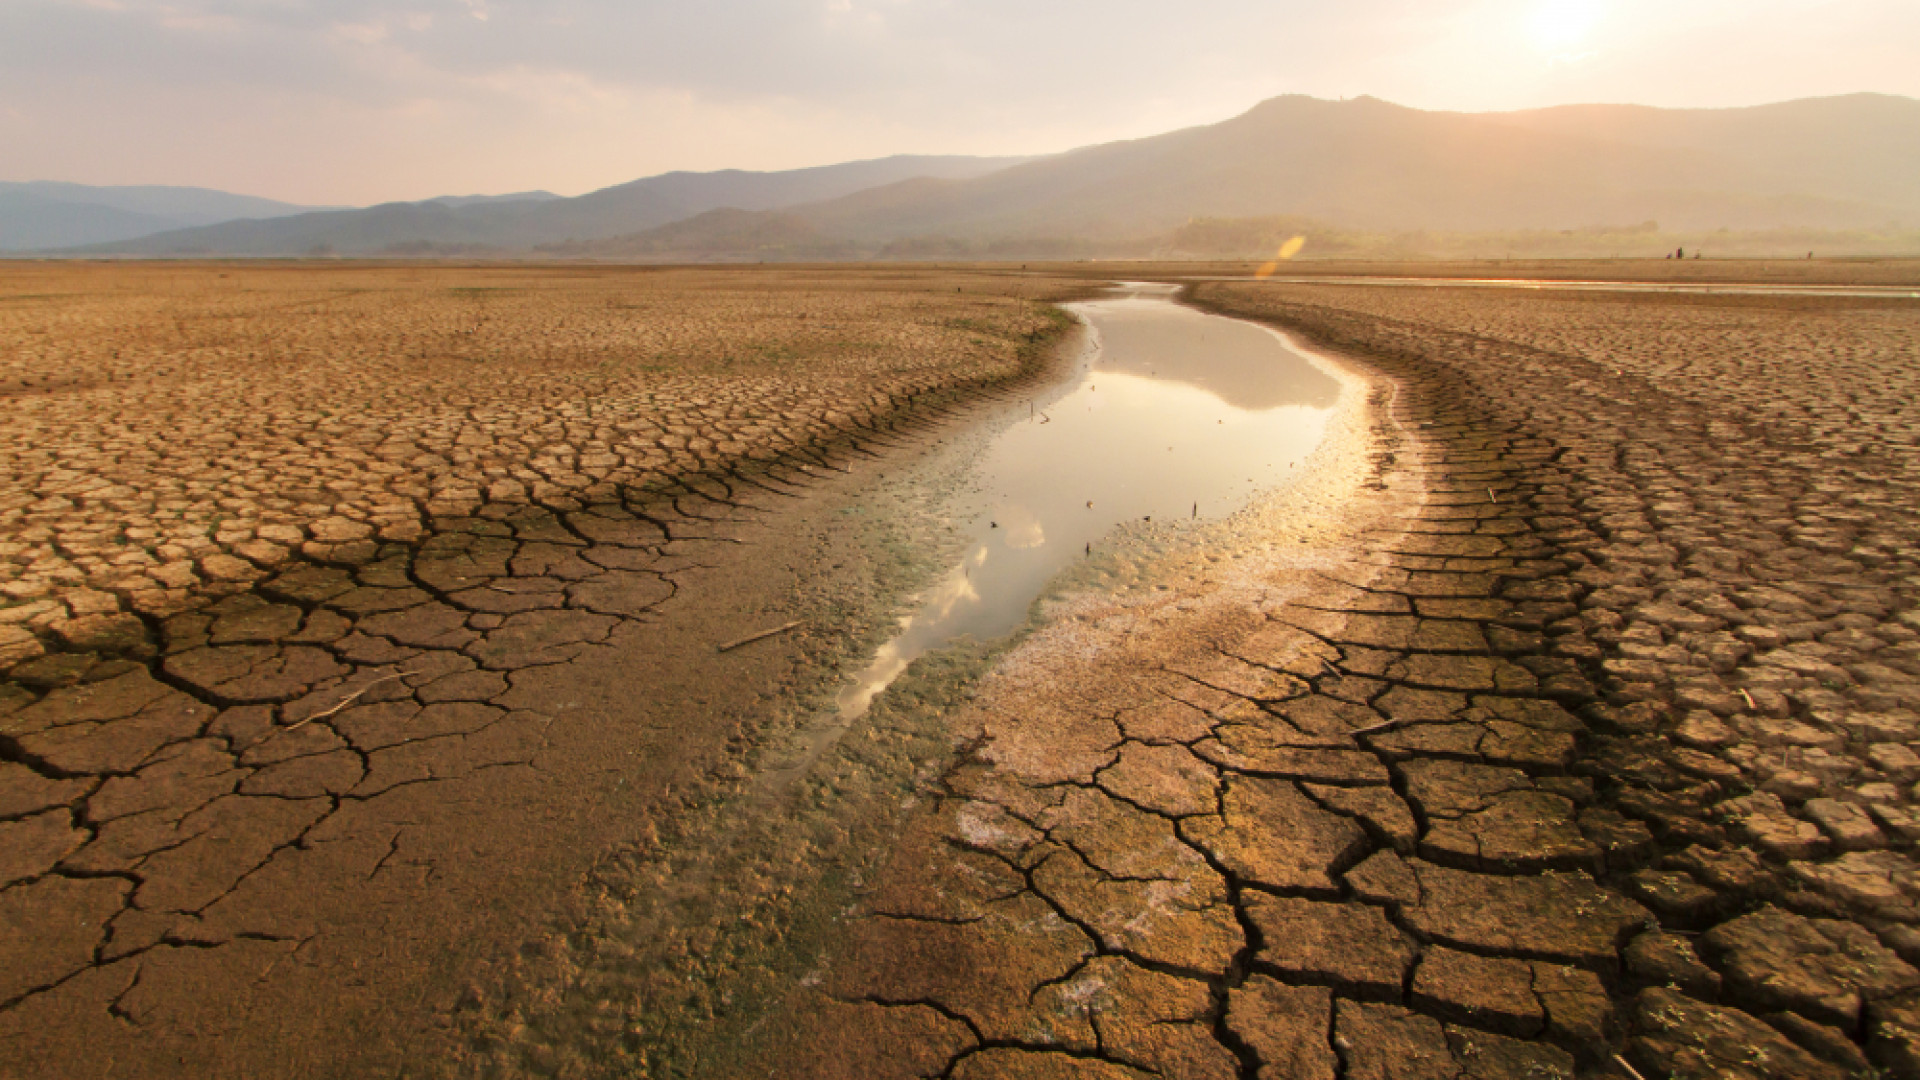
(1850, 162)
(469, 225)
(51, 214)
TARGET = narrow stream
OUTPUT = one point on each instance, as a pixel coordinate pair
(1171, 414)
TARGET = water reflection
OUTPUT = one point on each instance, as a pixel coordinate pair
(1180, 415)
(1233, 361)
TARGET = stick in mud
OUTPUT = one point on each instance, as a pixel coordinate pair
(751, 638)
(346, 701)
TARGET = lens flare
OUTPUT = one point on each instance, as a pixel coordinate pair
(1287, 251)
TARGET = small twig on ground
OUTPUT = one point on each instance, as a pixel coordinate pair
(1491, 497)
(1381, 726)
(1631, 1071)
(751, 638)
(346, 701)
(1748, 698)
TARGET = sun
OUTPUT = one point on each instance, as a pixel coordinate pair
(1559, 26)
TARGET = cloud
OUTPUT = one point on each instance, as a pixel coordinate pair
(360, 100)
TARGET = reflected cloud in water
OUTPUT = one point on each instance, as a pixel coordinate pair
(1180, 414)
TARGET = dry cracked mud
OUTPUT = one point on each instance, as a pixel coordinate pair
(1560, 722)
(1576, 739)
(338, 608)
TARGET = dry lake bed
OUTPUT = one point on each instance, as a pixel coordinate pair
(1171, 673)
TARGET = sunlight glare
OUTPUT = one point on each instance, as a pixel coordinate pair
(1558, 26)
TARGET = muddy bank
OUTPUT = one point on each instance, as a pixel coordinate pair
(1574, 719)
(709, 984)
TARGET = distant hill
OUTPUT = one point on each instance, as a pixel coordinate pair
(1839, 166)
(721, 235)
(50, 214)
(521, 223)
(494, 200)
(1863, 149)
(1830, 163)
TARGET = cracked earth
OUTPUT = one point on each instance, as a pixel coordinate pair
(1577, 740)
(1560, 722)
(331, 599)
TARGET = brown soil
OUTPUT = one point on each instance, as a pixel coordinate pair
(1567, 708)
(1578, 728)
(352, 613)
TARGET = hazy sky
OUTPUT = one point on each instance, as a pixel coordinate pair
(358, 101)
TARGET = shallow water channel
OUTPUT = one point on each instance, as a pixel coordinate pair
(1170, 414)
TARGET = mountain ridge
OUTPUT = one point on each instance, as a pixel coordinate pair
(524, 224)
(57, 213)
(1835, 163)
